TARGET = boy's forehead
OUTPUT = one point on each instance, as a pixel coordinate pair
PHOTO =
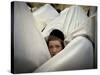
(54, 42)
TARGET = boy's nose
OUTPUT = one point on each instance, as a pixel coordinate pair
(55, 50)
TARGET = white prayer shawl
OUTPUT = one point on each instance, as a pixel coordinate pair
(30, 49)
(43, 15)
(72, 22)
(57, 23)
(77, 23)
(78, 54)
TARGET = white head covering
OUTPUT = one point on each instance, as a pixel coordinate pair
(77, 23)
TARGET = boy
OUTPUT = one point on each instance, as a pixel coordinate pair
(55, 42)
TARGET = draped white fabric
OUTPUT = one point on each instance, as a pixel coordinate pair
(30, 49)
(57, 23)
(78, 54)
(77, 23)
(43, 15)
(73, 21)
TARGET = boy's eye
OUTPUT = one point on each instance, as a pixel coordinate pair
(50, 46)
(57, 46)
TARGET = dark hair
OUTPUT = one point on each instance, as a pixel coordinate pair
(56, 35)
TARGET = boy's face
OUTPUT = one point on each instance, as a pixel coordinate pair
(54, 47)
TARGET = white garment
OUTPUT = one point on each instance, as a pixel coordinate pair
(30, 49)
(77, 23)
(78, 54)
(57, 23)
(43, 15)
(72, 21)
